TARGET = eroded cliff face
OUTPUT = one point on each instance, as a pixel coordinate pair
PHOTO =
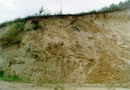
(73, 49)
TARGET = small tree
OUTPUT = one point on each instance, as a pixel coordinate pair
(114, 7)
(60, 12)
(41, 11)
(121, 4)
(44, 11)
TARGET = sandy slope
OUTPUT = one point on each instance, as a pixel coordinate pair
(92, 48)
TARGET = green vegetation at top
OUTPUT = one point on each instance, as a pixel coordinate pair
(17, 26)
(113, 7)
(45, 12)
(10, 22)
(12, 35)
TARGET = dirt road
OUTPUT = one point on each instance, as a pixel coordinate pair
(26, 86)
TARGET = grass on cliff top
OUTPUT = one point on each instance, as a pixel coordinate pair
(17, 26)
(10, 78)
(113, 7)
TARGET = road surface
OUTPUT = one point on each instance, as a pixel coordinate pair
(27, 86)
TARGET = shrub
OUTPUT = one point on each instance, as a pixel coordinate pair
(93, 11)
(11, 36)
(20, 26)
(29, 29)
(1, 73)
(81, 13)
(105, 9)
(114, 7)
(11, 78)
(120, 4)
(5, 24)
(18, 20)
(11, 22)
(36, 26)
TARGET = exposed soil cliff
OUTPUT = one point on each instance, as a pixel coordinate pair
(92, 48)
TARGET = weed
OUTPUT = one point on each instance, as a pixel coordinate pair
(58, 88)
(113, 7)
(11, 78)
(21, 20)
(40, 83)
(52, 82)
(36, 26)
(1, 73)
(93, 11)
(29, 29)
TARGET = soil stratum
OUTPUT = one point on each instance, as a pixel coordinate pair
(92, 48)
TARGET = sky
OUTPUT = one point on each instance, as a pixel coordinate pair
(11, 9)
